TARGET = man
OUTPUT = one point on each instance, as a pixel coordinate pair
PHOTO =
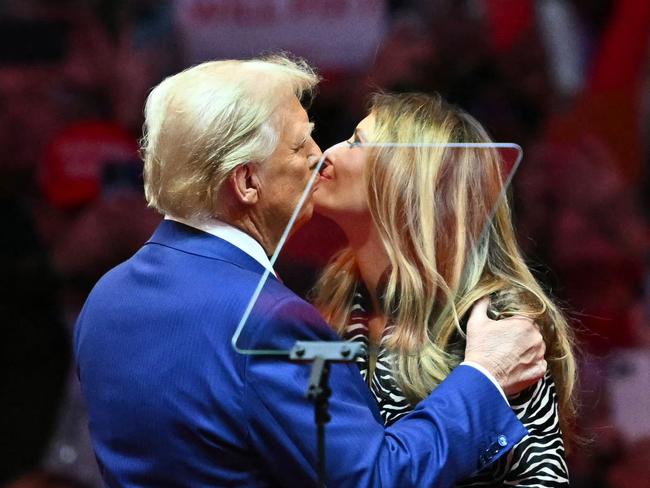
(227, 152)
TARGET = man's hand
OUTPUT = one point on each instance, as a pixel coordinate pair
(511, 349)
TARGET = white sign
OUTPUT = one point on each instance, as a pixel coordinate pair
(330, 34)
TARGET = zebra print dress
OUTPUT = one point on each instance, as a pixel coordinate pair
(538, 460)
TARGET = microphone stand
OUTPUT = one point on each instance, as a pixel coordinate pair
(322, 354)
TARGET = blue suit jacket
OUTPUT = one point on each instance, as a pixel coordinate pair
(172, 404)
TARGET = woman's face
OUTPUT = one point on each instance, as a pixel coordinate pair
(341, 191)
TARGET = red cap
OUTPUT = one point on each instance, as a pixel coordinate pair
(71, 170)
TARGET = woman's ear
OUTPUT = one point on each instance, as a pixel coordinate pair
(244, 182)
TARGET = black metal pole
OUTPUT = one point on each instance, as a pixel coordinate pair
(321, 455)
(319, 392)
(322, 353)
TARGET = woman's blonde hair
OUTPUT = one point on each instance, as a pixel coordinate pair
(431, 205)
(201, 123)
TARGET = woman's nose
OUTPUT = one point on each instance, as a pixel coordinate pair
(331, 152)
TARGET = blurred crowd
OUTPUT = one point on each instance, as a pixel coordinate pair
(568, 80)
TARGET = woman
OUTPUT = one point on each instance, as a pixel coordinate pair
(418, 259)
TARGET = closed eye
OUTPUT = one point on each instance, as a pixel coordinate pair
(354, 142)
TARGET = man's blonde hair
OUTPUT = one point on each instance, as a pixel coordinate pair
(201, 123)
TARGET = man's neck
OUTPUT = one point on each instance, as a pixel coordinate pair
(256, 229)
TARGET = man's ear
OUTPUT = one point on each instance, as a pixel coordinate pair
(244, 182)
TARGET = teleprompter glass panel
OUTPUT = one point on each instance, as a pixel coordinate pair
(464, 185)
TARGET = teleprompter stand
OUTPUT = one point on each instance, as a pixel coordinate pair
(322, 354)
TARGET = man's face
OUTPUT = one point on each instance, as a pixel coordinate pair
(284, 176)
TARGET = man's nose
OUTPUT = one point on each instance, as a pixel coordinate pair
(315, 149)
(315, 155)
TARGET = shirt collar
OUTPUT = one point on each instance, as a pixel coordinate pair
(231, 234)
